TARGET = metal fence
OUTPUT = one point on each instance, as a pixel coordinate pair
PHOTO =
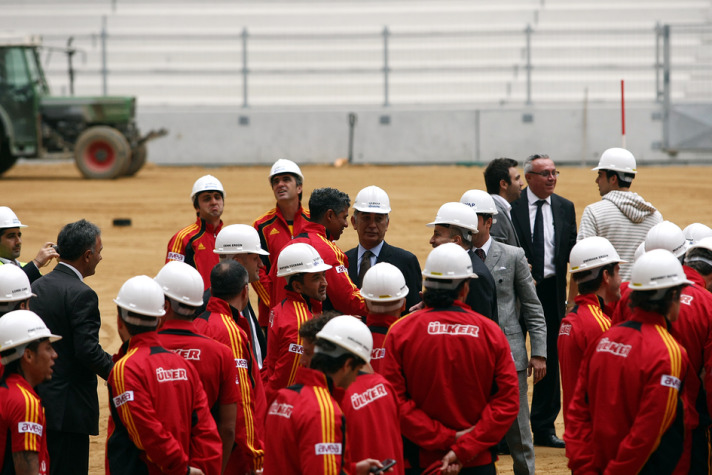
(393, 67)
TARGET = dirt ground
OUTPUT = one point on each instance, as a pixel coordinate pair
(45, 196)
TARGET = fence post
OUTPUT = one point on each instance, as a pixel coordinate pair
(528, 67)
(666, 86)
(658, 63)
(386, 68)
(104, 70)
(244, 67)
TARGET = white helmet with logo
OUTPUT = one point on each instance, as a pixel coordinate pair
(238, 239)
(447, 262)
(372, 199)
(657, 269)
(298, 258)
(18, 329)
(141, 295)
(617, 159)
(666, 235)
(14, 284)
(639, 251)
(384, 283)
(283, 166)
(181, 282)
(349, 334)
(8, 219)
(206, 183)
(696, 231)
(481, 201)
(591, 253)
(456, 214)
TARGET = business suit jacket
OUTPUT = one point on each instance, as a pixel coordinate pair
(564, 239)
(482, 297)
(403, 260)
(70, 308)
(515, 290)
(502, 229)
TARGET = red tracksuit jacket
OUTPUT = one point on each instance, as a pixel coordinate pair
(194, 245)
(284, 345)
(627, 410)
(218, 323)
(452, 369)
(212, 360)
(584, 324)
(160, 418)
(344, 296)
(22, 423)
(275, 233)
(379, 325)
(306, 428)
(370, 406)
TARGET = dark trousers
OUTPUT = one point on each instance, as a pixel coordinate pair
(546, 399)
(701, 459)
(488, 469)
(68, 453)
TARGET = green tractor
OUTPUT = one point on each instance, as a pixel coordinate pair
(100, 132)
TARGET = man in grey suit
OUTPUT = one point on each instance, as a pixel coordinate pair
(515, 289)
(505, 184)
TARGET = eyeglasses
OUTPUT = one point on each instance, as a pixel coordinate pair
(547, 174)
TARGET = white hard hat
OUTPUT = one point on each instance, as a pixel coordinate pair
(383, 282)
(8, 219)
(298, 258)
(447, 262)
(639, 251)
(666, 235)
(592, 252)
(181, 282)
(14, 284)
(372, 199)
(696, 231)
(141, 295)
(349, 333)
(238, 239)
(704, 243)
(456, 214)
(282, 166)
(19, 328)
(207, 183)
(657, 269)
(480, 200)
(617, 159)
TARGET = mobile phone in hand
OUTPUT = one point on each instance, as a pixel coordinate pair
(388, 463)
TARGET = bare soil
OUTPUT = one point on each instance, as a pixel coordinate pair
(46, 196)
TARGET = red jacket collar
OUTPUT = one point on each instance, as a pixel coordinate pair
(209, 227)
(589, 299)
(144, 339)
(694, 276)
(649, 317)
(178, 325)
(312, 377)
(216, 305)
(380, 320)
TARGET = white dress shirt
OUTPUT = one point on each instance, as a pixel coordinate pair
(548, 218)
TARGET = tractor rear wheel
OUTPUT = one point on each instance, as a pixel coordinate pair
(7, 159)
(138, 159)
(102, 152)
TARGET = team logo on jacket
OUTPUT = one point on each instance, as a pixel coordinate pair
(241, 363)
(174, 256)
(618, 349)
(294, 348)
(188, 353)
(437, 328)
(565, 329)
(371, 394)
(670, 381)
(328, 449)
(281, 410)
(686, 299)
(123, 398)
(341, 269)
(378, 353)
(29, 427)
(274, 231)
(166, 375)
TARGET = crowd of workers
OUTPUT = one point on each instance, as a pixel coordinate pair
(346, 366)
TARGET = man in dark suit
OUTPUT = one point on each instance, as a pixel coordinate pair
(370, 220)
(546, 226)
(504, 183)
(457, 222)
(70, 308)
(11, 246)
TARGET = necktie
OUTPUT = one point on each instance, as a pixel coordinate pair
(365, 265)
(481, 254)
(538, 244)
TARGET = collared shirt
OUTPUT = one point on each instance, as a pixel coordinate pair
(79, 274)
(10, 261)
(375, 251)
(549, 269)
(505, 203)
(485, 247)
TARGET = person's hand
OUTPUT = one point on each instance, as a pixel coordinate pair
(450, 463)
(364, 466)
(195, 471)
(537, 366)
(45, 254)
(418, 305)
(459, 434)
